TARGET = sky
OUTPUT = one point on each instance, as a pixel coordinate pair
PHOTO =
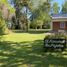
(60, 2)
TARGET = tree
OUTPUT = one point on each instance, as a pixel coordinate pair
(7, 5)
(18, 4)
(2, 24)
(55, 8)
(41, 11)
(64, 7)
(20, 16)
(5, 11)
(41, 15)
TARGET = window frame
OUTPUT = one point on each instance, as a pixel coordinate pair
(62, 25)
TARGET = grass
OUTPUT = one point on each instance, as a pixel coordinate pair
(25, 50)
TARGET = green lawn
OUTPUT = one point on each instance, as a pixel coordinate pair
(25, 50)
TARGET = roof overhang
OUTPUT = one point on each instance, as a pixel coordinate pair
(59, 19)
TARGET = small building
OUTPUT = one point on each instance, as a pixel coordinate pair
(59, 22)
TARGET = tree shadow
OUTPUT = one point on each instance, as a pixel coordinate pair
(29, 54)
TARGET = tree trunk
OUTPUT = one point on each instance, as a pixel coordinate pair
(41, 27)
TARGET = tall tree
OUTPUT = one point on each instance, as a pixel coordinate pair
(43, 8)
(20, 16)
(64, 7)
(41, 15)
(55, 8)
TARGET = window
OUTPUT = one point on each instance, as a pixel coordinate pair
(62, 24)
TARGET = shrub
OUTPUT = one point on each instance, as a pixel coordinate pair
(56, 35)
(3, 28)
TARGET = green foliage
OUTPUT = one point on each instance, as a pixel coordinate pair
(2, 24)
(37, 3)
(5, 2)
(42, 15)
(21, 18)
(55, 8)
(0, 14)
(56, 35)
(64, 7)
(3, 27)
(41, 12)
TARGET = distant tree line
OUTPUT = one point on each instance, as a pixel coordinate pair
(23, 15)
(39, 19)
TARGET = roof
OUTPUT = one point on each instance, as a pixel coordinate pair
(57, 16)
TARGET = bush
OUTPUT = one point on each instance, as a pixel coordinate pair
(56, 35)
(3, 28)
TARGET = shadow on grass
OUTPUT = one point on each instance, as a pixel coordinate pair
(29, 54)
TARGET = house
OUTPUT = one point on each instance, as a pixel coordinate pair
(59, 22)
